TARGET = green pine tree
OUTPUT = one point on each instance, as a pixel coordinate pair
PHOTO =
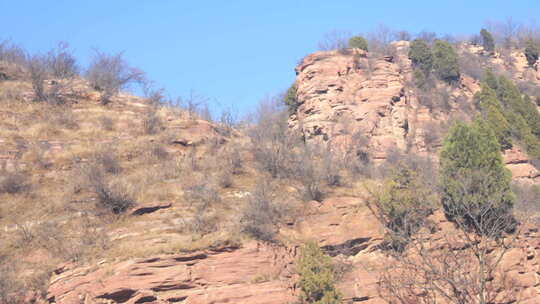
(358, 42)
(523, 120)
(532, 52)
(475, 184)
(290, 99)
(317, 282)
(421, 56)
(487, 41)
(445, 61)
(493, 114)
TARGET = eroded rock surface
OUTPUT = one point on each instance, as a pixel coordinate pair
(254, 273)
(355, 100)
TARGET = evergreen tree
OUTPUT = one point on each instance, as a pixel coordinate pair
(526, 118)
(522, 118)
(531, 114)
(445, 61)
(475, 184)
(421, 56)
(317, 282)
(290, 99)
(493, 114)
(490, 79)
(487, 41)
(532, 52)
(358, 42)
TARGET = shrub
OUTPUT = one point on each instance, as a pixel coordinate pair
(106, 123)
(202, 194)
(401, 204)
(445, 62)
(313, 166)
(528, 197)
(472, 65)
(290, 99)
(317, 282)
(55, 94)
(106, 158)
(358, 158)
(151, 123)
(202, 222)
(532, 52)
(358, 42)
(37, 67)
(331, 164)
(233, 159)
(110, 74)
(272, 144)
(306, 169)
(223, 175)
(157, 152)
(475, 184)
(487, 41)
(115, 198)
(260, 216)
(13, 182)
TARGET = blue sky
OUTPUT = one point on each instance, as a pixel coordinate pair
(233, 52)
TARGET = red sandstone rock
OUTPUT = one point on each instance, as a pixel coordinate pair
(254, 273)
(340, 95)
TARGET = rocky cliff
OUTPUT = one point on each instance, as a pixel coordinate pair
(346, 95)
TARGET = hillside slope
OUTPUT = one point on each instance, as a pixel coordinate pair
(135, 202)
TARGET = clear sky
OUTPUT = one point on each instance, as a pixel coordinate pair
(233, 52)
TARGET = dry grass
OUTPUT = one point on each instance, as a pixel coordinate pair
(88, 164)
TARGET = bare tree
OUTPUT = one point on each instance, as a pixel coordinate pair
(429, 37)
(505, 32)
(380, 38)
(334, 40)
(195, 104)
(61, 63)
(272, 144)
(12, 53)
(261, 214)
(403, 36)
(111, 73)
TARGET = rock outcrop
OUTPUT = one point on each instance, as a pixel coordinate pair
(354, 100)
(260, 273)
(342, 94)
(253, 273)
